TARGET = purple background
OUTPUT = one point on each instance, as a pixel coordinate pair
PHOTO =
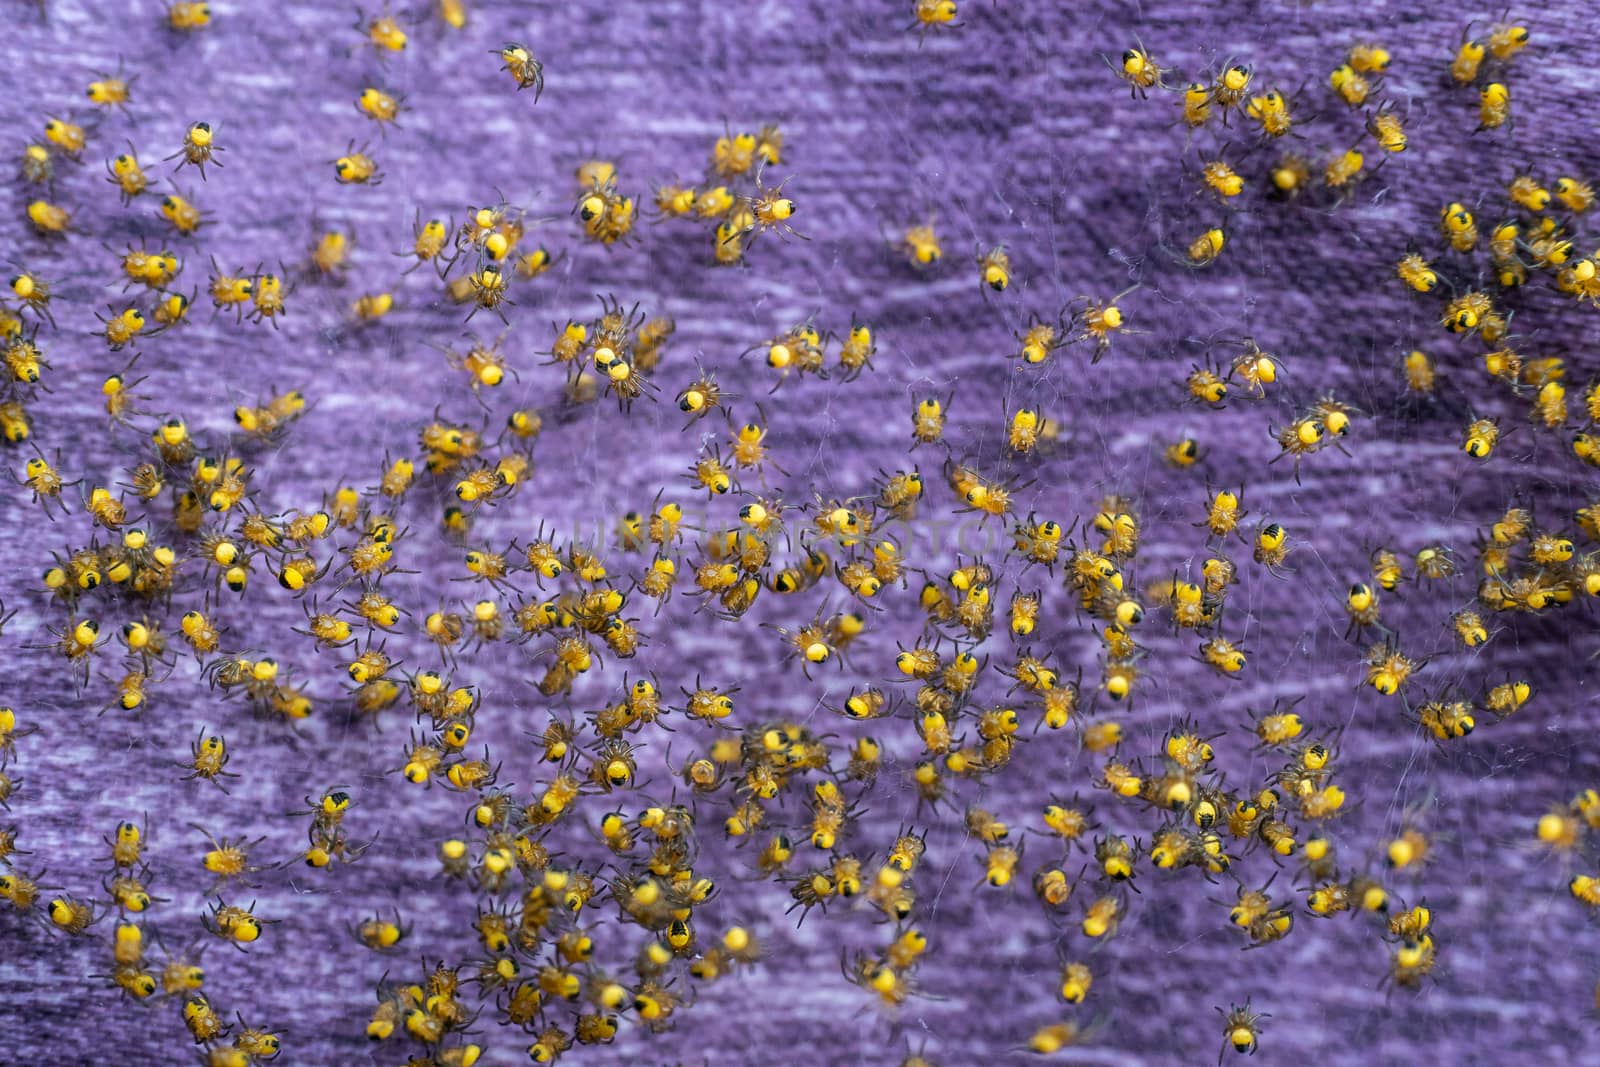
(1009, 128)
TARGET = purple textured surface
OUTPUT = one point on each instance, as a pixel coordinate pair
(1008, 129)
